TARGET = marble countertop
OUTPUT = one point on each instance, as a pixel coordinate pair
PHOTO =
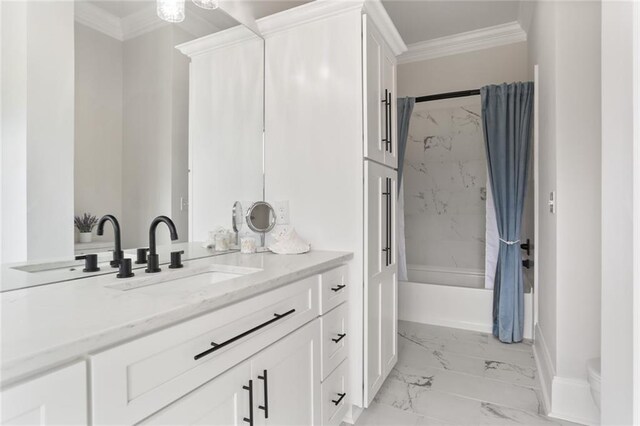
(48, 326)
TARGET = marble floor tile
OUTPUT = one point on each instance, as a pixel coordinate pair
(412, 354)
(447, 376)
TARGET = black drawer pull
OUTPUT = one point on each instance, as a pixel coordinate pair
(341, 336)
(240, 336)
(265, 407)
(250, 389)
(337, 401)
(338, 288)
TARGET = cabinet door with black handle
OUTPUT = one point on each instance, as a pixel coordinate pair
(286, 379)
(224, 400)
(381, 275)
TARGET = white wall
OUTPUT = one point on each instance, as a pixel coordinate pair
(617, 212)
(567, 52)
(465, 71)
(37, 140)
(98, 125)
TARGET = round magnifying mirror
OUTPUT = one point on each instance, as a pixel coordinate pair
(261, 217)
(236, 218)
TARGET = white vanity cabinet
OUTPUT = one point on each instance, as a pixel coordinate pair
(280, 385)
(264, 359)
(59, 397)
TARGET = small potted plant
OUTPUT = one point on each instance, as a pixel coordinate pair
(85, 225)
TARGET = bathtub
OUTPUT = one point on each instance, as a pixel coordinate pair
(452, 298)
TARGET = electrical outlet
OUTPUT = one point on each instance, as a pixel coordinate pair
(184, 204)
(280, 230)
(282, 212)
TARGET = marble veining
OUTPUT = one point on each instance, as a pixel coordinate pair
(47, 326)
(450, 376)
(445, 182)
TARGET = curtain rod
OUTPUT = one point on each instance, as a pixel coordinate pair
(448, 95)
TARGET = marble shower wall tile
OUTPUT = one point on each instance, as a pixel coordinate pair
(444, 180)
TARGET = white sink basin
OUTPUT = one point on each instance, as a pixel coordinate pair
(200, 276)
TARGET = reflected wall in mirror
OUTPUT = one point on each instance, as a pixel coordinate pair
(97, 118)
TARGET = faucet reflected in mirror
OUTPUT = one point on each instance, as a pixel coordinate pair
(153, 263)
(118, 254)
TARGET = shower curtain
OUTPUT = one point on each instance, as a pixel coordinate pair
(506, 118)
(405, 107)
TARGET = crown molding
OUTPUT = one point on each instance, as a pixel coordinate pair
(219, 40)
(378, 14)
(141, 22)
(98, 19)
(483, 38)
(303, 14)
(136, 24)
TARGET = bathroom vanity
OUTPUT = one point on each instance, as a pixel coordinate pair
(230, 339)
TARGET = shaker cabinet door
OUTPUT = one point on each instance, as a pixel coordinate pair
(286, 380)
(380, 322)
(375, 110)
(389, 86)
(222, 401)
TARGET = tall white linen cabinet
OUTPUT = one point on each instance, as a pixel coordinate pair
(330, 90)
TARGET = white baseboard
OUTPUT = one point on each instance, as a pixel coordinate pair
(563, 398)
(572, 401)
(545, 367)
(353, 413)
(451, 306)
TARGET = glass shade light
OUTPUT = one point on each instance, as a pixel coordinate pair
(170, 10)
(206, 4)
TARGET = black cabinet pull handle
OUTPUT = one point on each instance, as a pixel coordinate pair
(337, 401)
(240, 336)
(341, 336)
(385, 101)
(250, 389)
(389, 219)
(265, 407)
(338, 288)
(390, 124)
(526, 246)
(527, 263)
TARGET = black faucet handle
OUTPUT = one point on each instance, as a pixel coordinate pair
(141, 255)
(125, 270)
(90, 263)
(176, 259)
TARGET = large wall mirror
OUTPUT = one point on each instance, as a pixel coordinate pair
(112, 110)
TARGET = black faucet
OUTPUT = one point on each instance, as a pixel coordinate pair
(118, 255)
(153, 262)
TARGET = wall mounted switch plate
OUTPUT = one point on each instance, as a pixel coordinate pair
(282, 212)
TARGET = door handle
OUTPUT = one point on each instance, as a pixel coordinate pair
(217, 346)
(265, 407)
(340, 337)
(250, 389)
(338, 287)
(337, 401)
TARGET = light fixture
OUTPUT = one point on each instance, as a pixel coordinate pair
(170, 10)
(206, 4)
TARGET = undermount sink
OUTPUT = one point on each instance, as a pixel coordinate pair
(201, 276)
(103, 258)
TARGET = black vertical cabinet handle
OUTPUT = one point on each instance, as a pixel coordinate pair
(386, 223)
(390, 137)
(265, 407)
(390, 223)
(337, 401)
(386, 119)
(250, 389)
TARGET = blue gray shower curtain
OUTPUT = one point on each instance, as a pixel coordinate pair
(405, 108)
(506, 118)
